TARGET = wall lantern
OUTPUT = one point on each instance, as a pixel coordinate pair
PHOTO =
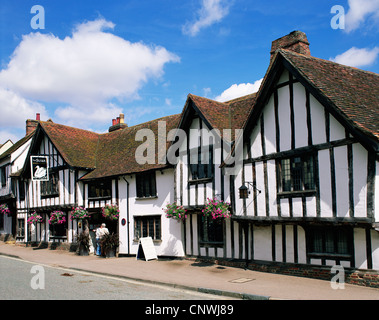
(244, 190)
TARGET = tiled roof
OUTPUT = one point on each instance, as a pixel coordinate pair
(116, 150)
(354, 92)
(225, 115)
(77, 147)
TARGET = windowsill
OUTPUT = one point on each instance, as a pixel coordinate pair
(200, 181)
(315, 255)
(146, 198)
(211, 244)
(295, 194)
(99, 198)
(46, 196)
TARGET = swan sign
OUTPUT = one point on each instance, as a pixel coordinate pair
(40, 171)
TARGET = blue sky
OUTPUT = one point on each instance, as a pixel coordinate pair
(91, 60)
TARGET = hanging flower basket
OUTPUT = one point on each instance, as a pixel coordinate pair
(79, 213)
(4, 209)
(174, 211)
(216, 209)
(111, 212)
(35, 218)
(57, 217)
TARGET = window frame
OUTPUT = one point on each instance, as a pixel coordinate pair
(301, 180)
(142, 223)
(320, 240)
(201, 171)
(3, 176)
(103, 186)
(50, 189)
(58, 231)
(211, 231)
(146, 185)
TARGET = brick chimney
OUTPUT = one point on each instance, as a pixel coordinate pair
(31, 124)
(118, 123)
(295, 41)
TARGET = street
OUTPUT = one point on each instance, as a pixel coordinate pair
(28, 281)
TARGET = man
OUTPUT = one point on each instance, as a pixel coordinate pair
(100, 232)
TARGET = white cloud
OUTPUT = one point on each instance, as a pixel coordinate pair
(83, 72)
(211, 12)
(15, 109)
(239, 90)
(356, 57)
(359, 11)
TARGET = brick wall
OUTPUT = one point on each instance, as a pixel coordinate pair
(368, 278)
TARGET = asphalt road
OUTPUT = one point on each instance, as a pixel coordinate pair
(24, 280)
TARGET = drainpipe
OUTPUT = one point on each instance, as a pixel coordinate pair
(127, 212)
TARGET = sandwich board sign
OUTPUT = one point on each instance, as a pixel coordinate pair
(146, 249)
(40, 168)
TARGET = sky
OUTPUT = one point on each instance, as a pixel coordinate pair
(82, 63)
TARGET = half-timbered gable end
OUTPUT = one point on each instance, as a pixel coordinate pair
(311, 165)
(209, 128)
(11, 188)
(70, 153)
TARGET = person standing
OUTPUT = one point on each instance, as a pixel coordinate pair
(100, 232)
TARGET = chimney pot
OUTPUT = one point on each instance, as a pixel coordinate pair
(118, 123)
(38, 117)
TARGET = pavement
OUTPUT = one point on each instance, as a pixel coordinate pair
(190, 274)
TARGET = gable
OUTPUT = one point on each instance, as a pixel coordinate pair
(304, 93)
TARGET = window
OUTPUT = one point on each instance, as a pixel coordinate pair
(20, 228)
(201, 163)
(3, 177)
(330, 241)
(59, 230)
(100, 189)
(146, 185)
(50, 188)
(211, 230)
(147, 226)
(297, 173)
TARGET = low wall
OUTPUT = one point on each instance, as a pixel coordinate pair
(367, 278)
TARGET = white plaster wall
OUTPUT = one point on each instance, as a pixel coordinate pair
(300, 112)
(360, 248)
(318, 121)
(262, 243)
(284, 118)
(269, 126)
(375, 249)
(360, 180)
(171, 244)
(325, 184)
(342, 181)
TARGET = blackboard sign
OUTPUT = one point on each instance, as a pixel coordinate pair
(40, 168)
(146, 249)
